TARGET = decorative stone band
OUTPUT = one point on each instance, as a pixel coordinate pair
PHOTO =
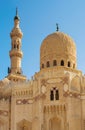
(29, 101)
(3, 113)
(71, 94)
(24, 101)
(39, 97)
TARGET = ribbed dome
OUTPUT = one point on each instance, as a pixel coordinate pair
(58, 46)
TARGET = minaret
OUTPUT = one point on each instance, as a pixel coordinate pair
(15, 71)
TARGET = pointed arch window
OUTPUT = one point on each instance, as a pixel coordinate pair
(48, 64)
(14, 46)
(57, 95)
(54, 94)
(51, 95)
(69, 64)
(73, 65)
(54, 62)
(42, 65)
(62, 62)
(17, 46)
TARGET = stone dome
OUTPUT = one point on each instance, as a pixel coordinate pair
(58, 49)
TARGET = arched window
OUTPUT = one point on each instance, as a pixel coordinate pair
(69, 64)
(62, 63)
(54, 62)
(48, 64)
(42, 65)
(51, 95)
(17, 46)
(14, 46)
(57, 95)
(73, 65)
(54, 94)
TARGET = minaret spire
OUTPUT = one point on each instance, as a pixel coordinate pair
(57, 27)
(16, 11)
(16, 16)
(16, 54)
(16, 19)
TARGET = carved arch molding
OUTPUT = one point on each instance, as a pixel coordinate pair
(24, 125)
(55, 123)
(27, 125)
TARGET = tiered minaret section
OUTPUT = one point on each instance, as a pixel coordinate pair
(15, 71)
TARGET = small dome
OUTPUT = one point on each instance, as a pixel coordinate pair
(58, 49)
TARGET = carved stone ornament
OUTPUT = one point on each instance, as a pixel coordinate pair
(43, 88)
(65, 87)
(55, 80)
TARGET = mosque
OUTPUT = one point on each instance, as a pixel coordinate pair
(55, 98)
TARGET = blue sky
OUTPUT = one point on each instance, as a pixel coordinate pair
(38, 19)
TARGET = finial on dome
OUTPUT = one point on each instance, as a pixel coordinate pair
(16, 17)
(57, 27)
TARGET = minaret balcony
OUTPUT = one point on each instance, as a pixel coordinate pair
(15, 52)
(16, 33)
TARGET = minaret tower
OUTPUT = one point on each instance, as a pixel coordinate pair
(15, 71)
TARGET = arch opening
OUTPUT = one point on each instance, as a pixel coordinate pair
(62, 63)
(55, 124)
